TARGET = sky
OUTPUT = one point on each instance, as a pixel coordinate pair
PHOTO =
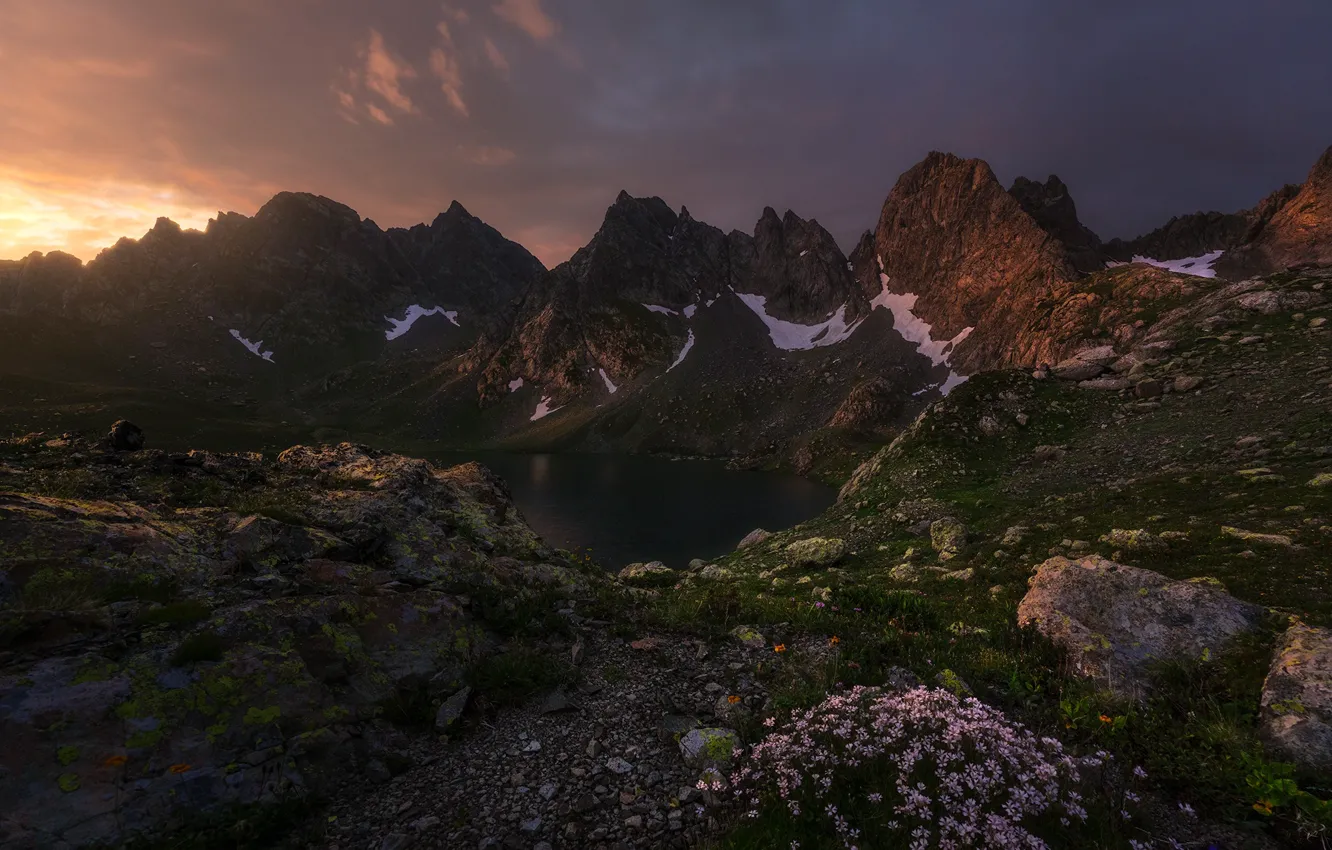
(534, 114)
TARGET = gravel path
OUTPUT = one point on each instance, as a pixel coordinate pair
(605, 772)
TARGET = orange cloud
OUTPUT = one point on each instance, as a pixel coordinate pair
(384, 74)
(444, 65)
(528, 16)
(497, 58)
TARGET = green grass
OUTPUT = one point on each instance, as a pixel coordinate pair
(513, 677)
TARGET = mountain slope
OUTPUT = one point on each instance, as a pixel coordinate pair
(1298, 232)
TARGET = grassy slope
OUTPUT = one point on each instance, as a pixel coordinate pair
(1175, 466)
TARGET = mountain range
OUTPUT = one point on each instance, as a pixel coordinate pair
(662, 334)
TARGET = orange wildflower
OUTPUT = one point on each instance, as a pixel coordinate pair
(115, 761)
(1105, 718)
(733, 699)
(179, 768)
(1263, 807)
(781, 647)
(834, 640)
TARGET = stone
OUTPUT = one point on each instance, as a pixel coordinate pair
(1109, 384)
(754, 538)
(1013, 536)
(749, 637)
(1115, 620)
(125, 436)
(654, 573)
(1148, 389)
(1322, 479)
(1296, 715)
(1077, 370)
(1133, 540)
(556, 701)
(619, 766)
(708, 747)
(1186, 383)
(395, 841)
(947, 536)
(906, 573)
(452, 709)
(816, 552)
(1256, 537)
(672, 727)
(712, 572)
(959, 575)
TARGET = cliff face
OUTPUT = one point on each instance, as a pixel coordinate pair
(1052, 207)
(949, 234)
(1201, 233)
(1297, 232)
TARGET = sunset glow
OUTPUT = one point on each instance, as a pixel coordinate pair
(47, 214)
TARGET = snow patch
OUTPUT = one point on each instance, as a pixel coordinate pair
(414, 312)
(543, 409)
(804, 252)
(610, 386)
(915, 330)
(1196, 266)
(515, 385)
(689, 343)
(253, 347)
(657, 308)
(710, 302)
(790, 336)
(849, 267)
(691, 310)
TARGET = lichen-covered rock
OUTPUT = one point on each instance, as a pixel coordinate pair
(1133, 540)
(652, 574)
(1322, 479)
(754, 538)
(749, 637)
(947, 536)
(1297, 699)
(1257, 537)
(452, 709)
(1115, 620)
(708, 747)
(816, 551)
(251, 655)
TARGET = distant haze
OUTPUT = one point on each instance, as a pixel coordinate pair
(535, 113)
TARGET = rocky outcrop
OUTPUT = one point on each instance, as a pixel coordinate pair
(1298, 232)
(1052, 207)
(870, 407)
(1115, 621)
(1201, 233)
(1297, 699)
(951, 235)
(163, 663)
(798, 267)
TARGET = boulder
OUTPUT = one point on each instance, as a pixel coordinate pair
(708, 747)
(816, 552)
(1296, 719)
(125, 436)
(452, 710)
(1187, 383)
(749, 637)
(1115, 620)
(947, 536)
(653, 574)
(1133, 540)
(1110, 384)
(754, 538)
(1077, 370)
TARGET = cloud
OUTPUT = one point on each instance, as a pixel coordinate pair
(528, 16)
(444, 65)
(384, 74)
(378, 114)
(496, 57)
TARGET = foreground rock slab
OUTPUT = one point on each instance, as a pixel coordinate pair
(1116, 620)
(1297, 699)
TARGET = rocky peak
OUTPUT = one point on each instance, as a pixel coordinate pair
(1298, 232)
(952, 235)
(1051, 205)
(797, 265)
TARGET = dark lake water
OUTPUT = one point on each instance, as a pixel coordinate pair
(628, 508)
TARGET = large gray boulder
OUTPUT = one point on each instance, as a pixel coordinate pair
(1115, 620)
(1297, 699)
(816, 552)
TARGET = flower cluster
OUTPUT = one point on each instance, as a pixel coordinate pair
(946, 772)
